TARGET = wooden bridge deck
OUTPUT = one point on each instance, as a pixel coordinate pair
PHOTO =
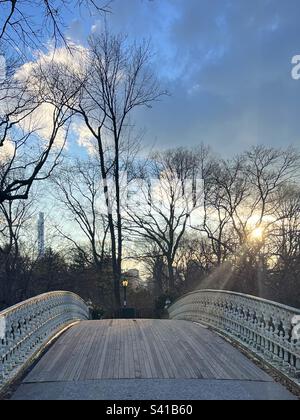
(93, 352)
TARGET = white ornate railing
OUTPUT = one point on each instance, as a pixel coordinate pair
(266, 328)
(28, 326)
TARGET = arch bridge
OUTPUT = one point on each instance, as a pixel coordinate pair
(215, 345)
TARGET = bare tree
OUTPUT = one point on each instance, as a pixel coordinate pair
(14, 218)
(214, 223)
(225, 191)
(33, 131)
(25, 24)
(165, 215)
(284, 238)
(80, 196)
(117, 81)
(241, 197)
(267, 170)
(195, 259)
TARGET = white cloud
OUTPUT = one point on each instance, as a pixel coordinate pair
(96, 27)
(2, 68)
(71, 61)
(40, 122)
(84, 137)
(6, 151)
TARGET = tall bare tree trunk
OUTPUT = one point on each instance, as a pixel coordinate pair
(115, 255)
(171, 275)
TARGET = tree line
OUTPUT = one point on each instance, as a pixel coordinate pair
(238, 230)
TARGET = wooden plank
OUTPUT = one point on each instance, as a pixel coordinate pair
(131, 349)
(103, 351)
(91, 361)
(179, 358)
(136, 349)
(109, 352)
(147, 355)
(165, 348)
(144, 363)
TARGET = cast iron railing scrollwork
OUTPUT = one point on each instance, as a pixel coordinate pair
(28, 326)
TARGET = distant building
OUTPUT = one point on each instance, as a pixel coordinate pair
(41, 235)
(133, 273)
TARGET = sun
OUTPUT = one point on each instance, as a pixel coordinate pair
(257, 234)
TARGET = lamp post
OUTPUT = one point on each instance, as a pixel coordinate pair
(125, 285)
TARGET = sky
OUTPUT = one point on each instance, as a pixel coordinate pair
(226, 64)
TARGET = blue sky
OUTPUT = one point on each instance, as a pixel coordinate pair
(227, 65)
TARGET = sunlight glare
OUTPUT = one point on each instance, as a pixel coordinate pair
(257, 234)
